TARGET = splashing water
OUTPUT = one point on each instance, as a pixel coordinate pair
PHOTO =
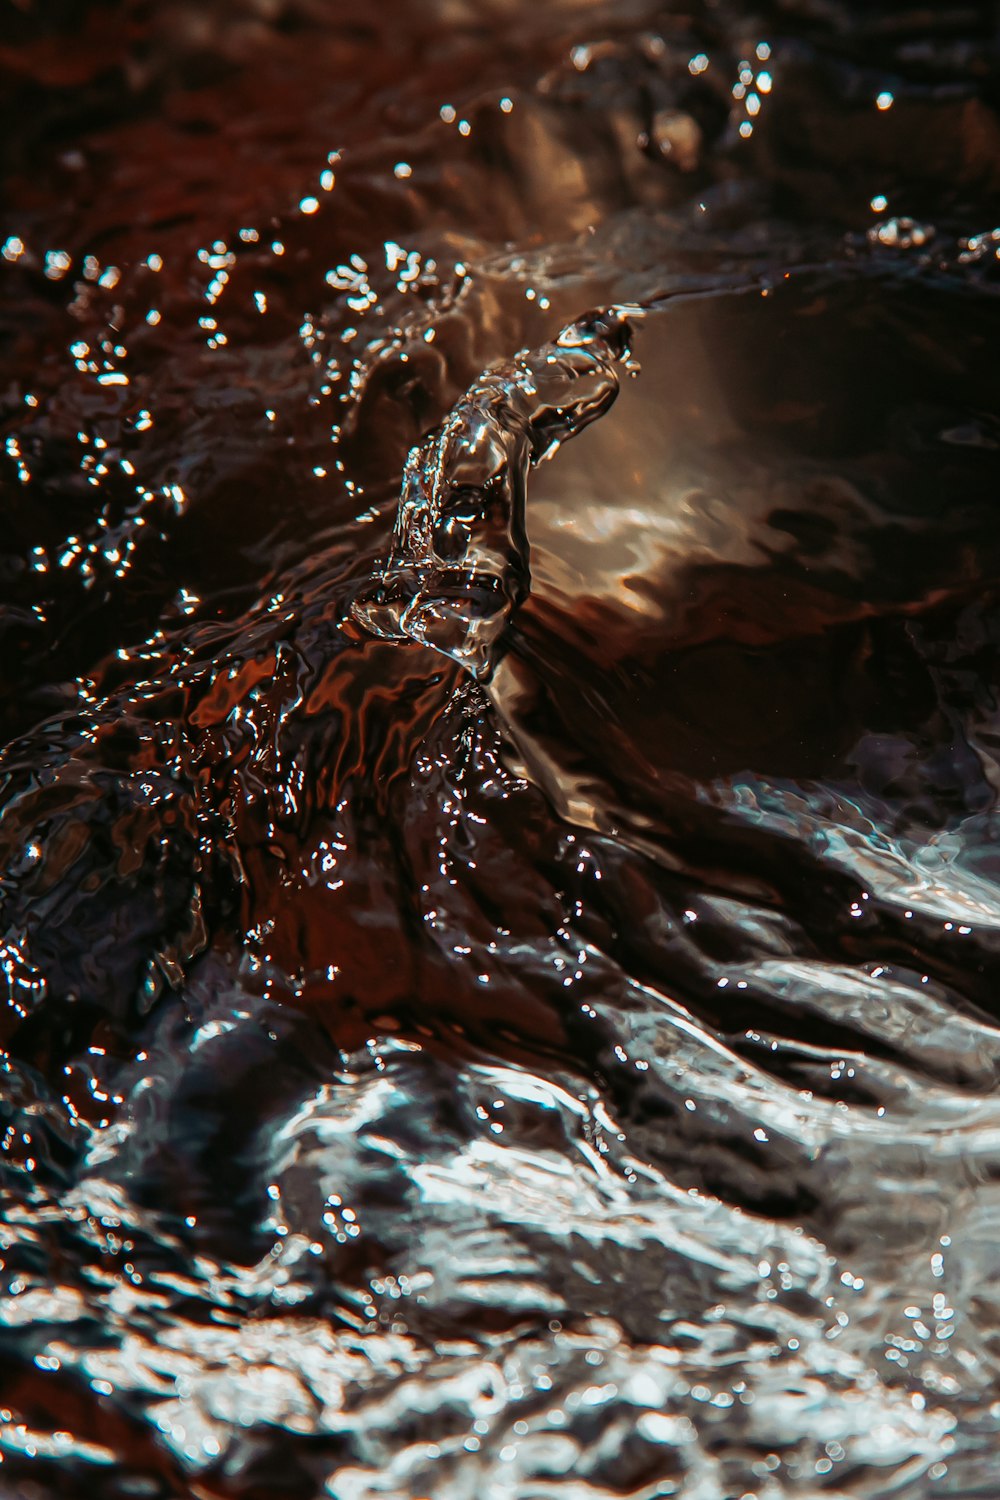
(459, 560)
(562, 1062)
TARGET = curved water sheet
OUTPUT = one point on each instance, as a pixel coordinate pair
(811, 1033)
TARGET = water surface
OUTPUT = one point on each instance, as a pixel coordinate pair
(511, 1010)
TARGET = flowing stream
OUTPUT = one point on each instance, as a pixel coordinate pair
(499, 865)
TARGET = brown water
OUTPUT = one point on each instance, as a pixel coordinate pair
(500, 1002)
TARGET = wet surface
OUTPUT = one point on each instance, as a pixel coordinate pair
(500, 946)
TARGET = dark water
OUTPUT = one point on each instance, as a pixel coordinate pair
(510, 1011)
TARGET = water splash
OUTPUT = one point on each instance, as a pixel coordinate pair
(459, 566)
(583, 1080)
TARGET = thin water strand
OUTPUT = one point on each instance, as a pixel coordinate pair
(459, 563)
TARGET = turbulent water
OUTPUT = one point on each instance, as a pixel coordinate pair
(501, 945)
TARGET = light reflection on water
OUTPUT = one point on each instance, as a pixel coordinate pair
(580, 1081)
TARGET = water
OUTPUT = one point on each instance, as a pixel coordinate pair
(458, 564)
(500, 945)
